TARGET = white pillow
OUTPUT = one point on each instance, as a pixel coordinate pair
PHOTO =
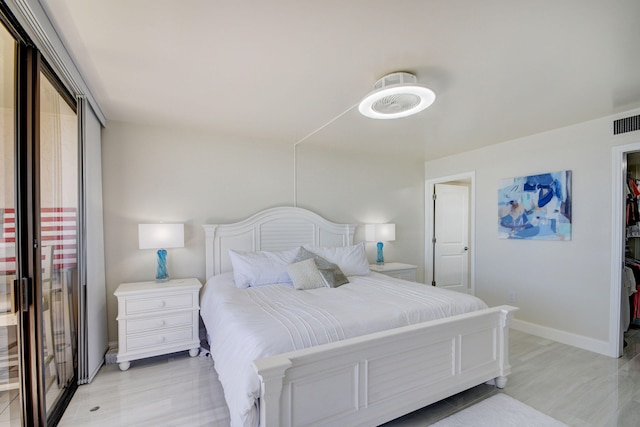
(305, 275)
(261, 268)
(352, 260)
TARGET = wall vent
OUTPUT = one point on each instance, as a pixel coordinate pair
(625, 125)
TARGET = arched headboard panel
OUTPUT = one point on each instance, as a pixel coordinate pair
(274, 229)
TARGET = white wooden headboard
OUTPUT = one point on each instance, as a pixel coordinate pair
(275, 229)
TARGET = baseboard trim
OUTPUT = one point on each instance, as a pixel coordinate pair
(575, 340)
(94, 373)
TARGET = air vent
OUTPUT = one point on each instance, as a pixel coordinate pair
(625, 125)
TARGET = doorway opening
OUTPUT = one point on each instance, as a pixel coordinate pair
(618, 244)
(449, 239)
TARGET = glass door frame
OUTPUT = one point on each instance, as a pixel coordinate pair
(28, 284)
(27, 262)
(56, 412)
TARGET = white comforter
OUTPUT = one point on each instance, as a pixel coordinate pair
(247, 324)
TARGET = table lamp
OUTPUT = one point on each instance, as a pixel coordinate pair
(380, 233)
(161, 237)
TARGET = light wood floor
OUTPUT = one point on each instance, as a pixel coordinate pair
(574, 386)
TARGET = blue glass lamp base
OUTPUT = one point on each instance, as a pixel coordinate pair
(380, 259)
(162, 275)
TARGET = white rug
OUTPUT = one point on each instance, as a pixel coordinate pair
(499, 410)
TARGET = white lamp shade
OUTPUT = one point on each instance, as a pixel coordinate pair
(380, 232)
(160, 236)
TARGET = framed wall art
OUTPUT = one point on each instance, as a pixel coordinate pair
(535, 207)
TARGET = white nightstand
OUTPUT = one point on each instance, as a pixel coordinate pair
(157, 318)
(397, 270)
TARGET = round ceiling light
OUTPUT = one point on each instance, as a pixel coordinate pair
(396, 95)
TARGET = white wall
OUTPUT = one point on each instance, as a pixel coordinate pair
(365, 188)
(562, 288)
(153, 174)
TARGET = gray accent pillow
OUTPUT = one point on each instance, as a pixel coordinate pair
(305, 275)
(330, 272)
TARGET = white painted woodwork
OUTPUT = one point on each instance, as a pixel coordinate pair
(451, 231)
(375, 378)
(157, 318)
(273, 229)
(396, 269)
(372, 378)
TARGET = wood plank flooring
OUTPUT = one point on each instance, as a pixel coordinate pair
(574, 386)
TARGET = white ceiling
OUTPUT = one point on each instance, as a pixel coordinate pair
(279, 70)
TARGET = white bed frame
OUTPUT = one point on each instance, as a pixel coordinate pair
(366, 380)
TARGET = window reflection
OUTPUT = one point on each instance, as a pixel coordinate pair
(58, 225)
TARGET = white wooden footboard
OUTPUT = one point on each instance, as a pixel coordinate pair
(375, 378)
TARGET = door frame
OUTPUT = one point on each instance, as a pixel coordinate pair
(469, 177)
(618, 176)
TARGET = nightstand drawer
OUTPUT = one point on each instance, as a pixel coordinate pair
(161, 303)
(397, 270)
(153, 323)
(409, 275)
(137, 342)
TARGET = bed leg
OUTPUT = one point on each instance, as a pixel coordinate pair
(271, 371)
(501, 382)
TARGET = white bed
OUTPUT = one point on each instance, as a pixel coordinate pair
(289, 357)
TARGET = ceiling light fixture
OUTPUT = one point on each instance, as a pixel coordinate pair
(396, 95)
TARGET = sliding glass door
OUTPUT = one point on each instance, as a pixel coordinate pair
(39, 187)
(10, 348)
(59, 188)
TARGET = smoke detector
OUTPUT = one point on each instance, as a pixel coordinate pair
(396, 95)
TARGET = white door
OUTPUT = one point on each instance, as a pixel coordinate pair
(451, 235)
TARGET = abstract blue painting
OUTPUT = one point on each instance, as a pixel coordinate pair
(535, 207)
